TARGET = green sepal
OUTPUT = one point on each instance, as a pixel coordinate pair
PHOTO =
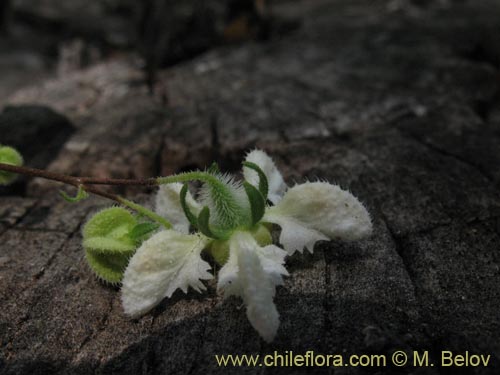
(219, 250)
(263, 183)
(262, 235)
(9, 155)
(189, 215)
(142, 231)
(203, 222)
(257, 202)
(81, 194)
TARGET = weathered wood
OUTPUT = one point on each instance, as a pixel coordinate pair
(400, 106)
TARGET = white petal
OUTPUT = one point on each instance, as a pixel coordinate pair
(277, 186)
(253, 273)
(295, 236)
(168, 205)
(167, 261)
(311, 211)
(228, 276)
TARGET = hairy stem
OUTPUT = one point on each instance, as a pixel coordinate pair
(144, 211)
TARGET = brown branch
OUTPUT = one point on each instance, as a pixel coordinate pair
(79, 181)
(73, 180)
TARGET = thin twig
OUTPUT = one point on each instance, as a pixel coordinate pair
(76, 181)
(85, 181)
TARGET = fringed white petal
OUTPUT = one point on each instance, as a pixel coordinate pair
(168, 205)
(295, 235)
(317, 211)
(228, 279)
(253, 272)
(167, 261)
(277, 186)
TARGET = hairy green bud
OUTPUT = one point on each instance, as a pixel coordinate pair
(9, 155)
(110, 240)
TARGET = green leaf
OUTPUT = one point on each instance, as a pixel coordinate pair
(257, 202)
(114, 222)
(106, 245)
(109, 241)
(142, 231)
(108, 267)
(189, 215)
(203, 222)
(9, 155)
(263, 183)
(81, 194)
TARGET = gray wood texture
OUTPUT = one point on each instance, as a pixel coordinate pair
(397, 103)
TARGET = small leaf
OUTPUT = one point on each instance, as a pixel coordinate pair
(263, 183)
(203, 222)
(257, 202)
(80, 195)
(9, 155)
(189, 215)
(142, 232)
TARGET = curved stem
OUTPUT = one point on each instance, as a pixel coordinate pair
(144, 211)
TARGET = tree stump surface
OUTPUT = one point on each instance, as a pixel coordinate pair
(399, 105)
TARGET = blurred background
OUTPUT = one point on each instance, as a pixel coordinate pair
(44, 38)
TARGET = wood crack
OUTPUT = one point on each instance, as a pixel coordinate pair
(451, 155)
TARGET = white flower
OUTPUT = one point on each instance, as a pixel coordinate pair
(317, 211)
(251, 266)
(253, 272)
(312, 211)
(167, 261)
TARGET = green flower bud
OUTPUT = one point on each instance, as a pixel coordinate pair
(9, 155)
(109, 242)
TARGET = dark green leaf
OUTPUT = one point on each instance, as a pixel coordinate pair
(189, 215)
(203, 222)
(257, 202)
(263, 183)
